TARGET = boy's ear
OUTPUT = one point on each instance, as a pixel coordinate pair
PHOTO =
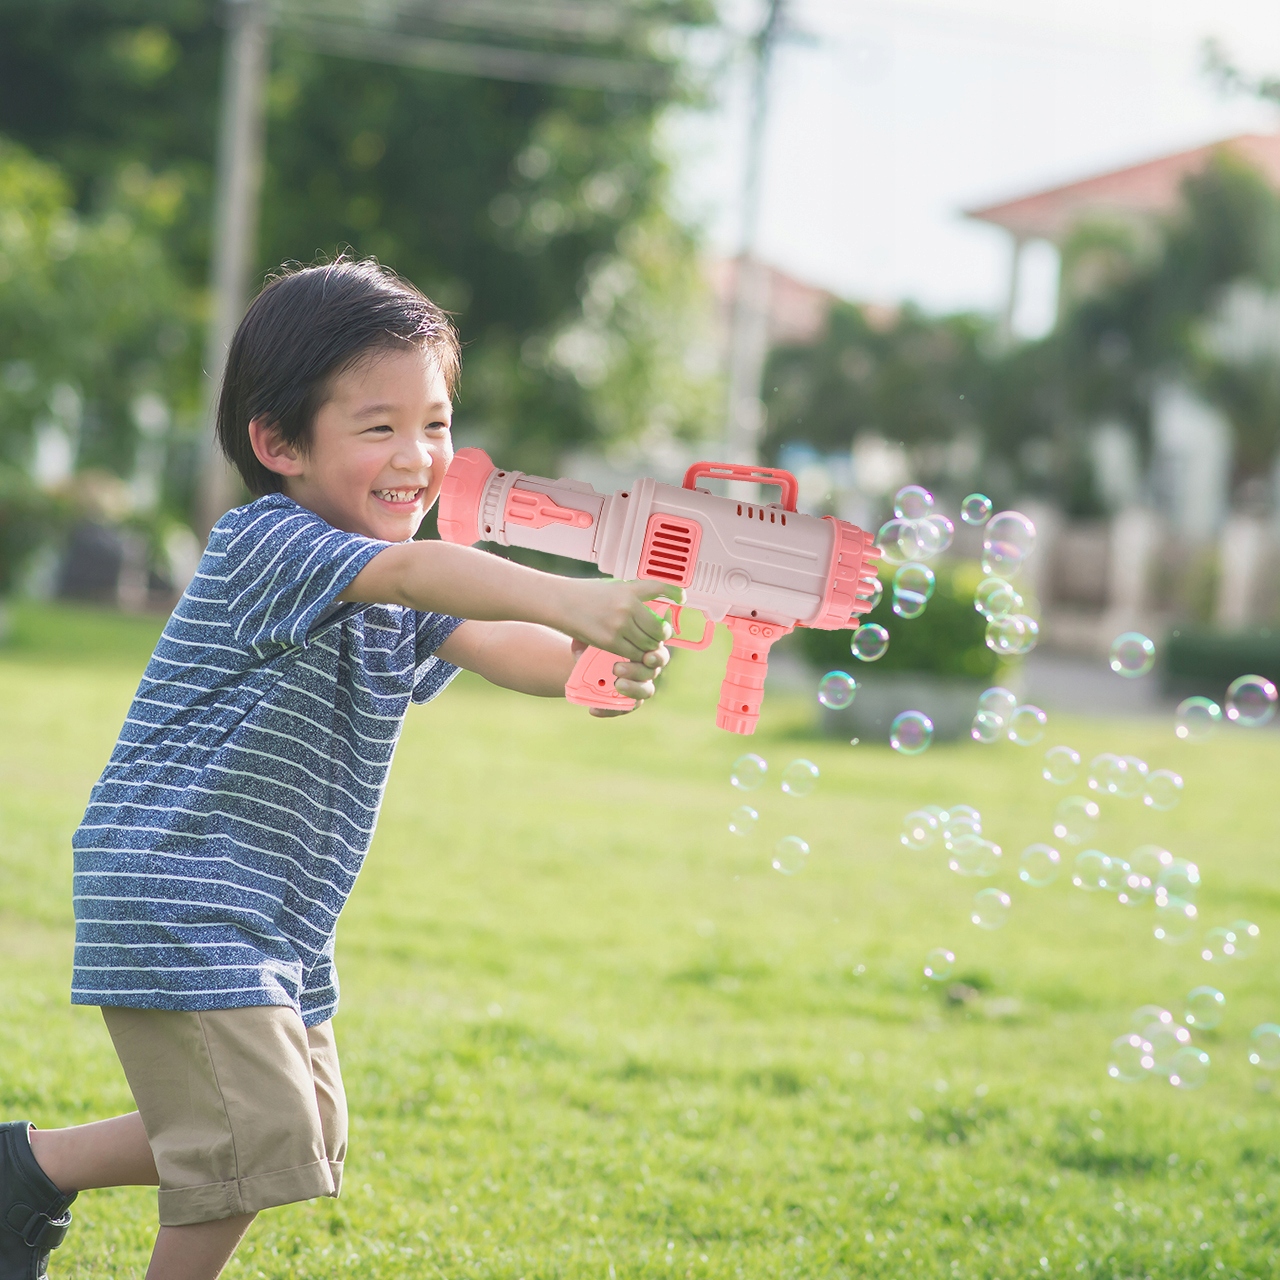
(270, 448)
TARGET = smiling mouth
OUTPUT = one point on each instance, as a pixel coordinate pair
(400, 497)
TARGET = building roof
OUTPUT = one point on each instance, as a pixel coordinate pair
(1149, 188)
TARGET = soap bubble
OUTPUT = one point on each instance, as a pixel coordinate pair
(790, 855)
(748, 772)
(1150, 860)
(1135, 885)
(1196, 719)
(1149, 1015)
(919, 830)
(973, 856)
(975, 509)
(939, 964)
(877, 594)
(1091, 870)
(1247, 934)
(991, 908)
(1027, 725)
(1251, 701)
(938, 812)
(1189, 1068)
(1204, 1008)
(1039, 865)
(742, 821)
(897, 541)
(996, 598)
(1130, 1059)
(800, 778)
(911, 733)
(998, 702)
(1175, 920)
(912, 588)
(870, 642)
(1012, 636)
(1133, 779)
(1061, 765)
(1132, 655)
(1076, 819)
(1178, 879)
(1164, 790)
(912, 502)
(959, 821)
(986, 728)
(1219, 946)
(1106, 773)
(1008, 540)
(1265, 1050)
(934, 535)
(836, 690)
(1166, 1039)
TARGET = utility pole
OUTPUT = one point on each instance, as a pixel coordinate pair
(239, 183)
(748, 334)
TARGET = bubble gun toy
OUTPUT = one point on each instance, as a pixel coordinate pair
(759, 569)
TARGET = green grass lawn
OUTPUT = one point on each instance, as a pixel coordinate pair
(586, 1032)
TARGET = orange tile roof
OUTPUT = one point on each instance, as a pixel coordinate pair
(1148, 188)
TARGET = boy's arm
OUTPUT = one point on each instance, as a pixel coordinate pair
(537, 660)
(441, 577)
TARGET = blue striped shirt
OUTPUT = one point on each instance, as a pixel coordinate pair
(229, 825)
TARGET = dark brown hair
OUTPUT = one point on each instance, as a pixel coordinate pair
(307, 326)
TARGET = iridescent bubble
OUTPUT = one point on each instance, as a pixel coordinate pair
(1204, 1008)
(1251, 701)
(1219, 946)
(912, 588)
(790, 855)
(1039, 865)
(897, 541)
(996, 598)
(1027, 725)
(1150, 860)
(1188, 1068)
(1117, 876)
(973, 856)
(991, 908)
(911, 733)
(938, 812)
(800, 778)
(1106, 774)
(912, 502)
(870, 642)
(1012, 636)
(1164, 790)
(1061, 765)
(1148, 1015)
(959, 821)
(1166, 1040)
(1132, 655)
(975, 509)
(919, 830)
(877, 594)
(836, 690)
(939, 964)
(748, 772)
(1076, 819)
(1264, 1046)
(1178, 879)
(742, 821)
(1135, 886)
(998, 702)
(1008, 540)
(1131, 1058)
(1196, 719)
(1247, 934)
(1133, 779)
(1091, 870)
(986, 728)
(934, 535)
(1175, 920)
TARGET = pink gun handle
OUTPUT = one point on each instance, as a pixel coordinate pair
(591, 683)
(742, 691)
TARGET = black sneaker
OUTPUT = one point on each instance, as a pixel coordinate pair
(33, 1212)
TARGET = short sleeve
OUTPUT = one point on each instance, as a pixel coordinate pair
(431, 674)
(285, 568)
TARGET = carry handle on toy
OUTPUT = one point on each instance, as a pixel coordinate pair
(591, 683)
(789, 485)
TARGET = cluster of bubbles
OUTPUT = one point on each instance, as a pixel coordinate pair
(959, 828)
(917, 532)
(798, 780)
(1158, 1045)
(1250, 703)
(1000, 715)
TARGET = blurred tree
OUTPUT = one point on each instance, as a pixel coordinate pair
(535, 213)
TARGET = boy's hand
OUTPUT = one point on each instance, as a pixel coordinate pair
(613, 616)
(632, 679)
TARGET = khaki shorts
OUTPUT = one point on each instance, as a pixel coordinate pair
(244, 1108)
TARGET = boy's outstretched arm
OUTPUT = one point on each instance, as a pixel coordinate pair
(441, 577)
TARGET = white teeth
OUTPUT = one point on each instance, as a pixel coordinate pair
(397, 495)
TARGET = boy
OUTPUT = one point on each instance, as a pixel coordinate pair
(226, 831)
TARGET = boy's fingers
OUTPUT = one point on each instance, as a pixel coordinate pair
(659, 590)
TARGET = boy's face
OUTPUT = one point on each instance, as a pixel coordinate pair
(379, 447)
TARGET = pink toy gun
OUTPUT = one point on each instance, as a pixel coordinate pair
(760, 569)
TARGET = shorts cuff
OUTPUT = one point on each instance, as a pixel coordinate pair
(335, 1171)
(184, 1206)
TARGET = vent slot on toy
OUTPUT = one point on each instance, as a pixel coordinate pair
(670, 550)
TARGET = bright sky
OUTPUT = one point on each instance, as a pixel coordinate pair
(889, 116)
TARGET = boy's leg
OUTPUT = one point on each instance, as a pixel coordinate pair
(107, 1153)
(199, 1251)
